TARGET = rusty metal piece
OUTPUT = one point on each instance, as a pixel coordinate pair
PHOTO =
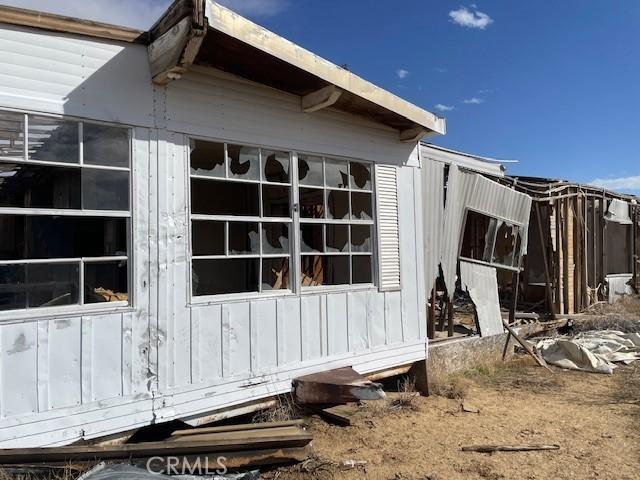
(342, 385)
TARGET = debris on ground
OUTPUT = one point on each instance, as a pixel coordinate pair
(508, 448)
(595, 351)
(119, 471)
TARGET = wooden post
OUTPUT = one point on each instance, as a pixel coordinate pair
(545, 260)
(450, 318)
(431, 319)
(515, 284)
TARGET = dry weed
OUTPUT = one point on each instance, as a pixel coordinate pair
(284, 410)
(406, 397)
(454, 387)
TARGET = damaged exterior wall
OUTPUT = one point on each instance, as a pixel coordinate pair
(64, 377)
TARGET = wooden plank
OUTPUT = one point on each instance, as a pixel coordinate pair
(526, 346)
(341, 414)
(280, 432)
(137, 450)
(237, 428)
(508, 448)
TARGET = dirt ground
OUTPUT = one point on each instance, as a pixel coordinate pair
(594, 418)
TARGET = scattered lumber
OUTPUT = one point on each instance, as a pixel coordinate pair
(341, 414)
(539, 360)
(342, 385)
(238, 428)
(266, 443)
(508, 448)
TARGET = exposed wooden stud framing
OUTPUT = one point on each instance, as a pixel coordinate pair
(431, 317)
(323, 98)
(547, 276)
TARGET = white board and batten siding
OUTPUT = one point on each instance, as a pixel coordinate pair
(85, 375)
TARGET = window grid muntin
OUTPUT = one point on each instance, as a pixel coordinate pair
(348, 220)
(81, 212)
(260, 220)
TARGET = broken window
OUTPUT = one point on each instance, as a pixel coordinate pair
(337, 240)
(240, 218)
(491, 240)
(64, 212)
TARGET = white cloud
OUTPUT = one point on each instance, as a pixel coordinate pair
(140, 14)
(631, 183)
(470, 18)
(444, 108)
(402, 73)
(473, 101)
(441, 69)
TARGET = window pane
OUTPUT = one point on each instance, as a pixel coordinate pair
(337, 238)
(506, 242)
(105, 145)
(105, 190)
(207, 238)
(360, 238)
(207, 158)
(243, 238)
(325, 270)
(53, 140)
(311, 203)
(234, 275)
(477, 240)
(276, 166)
(39, 186)
(360, 175)
(312, 238)
(42, 285)
(361, 206)
(106, 282)
(337, 173)
(44, 236)
(11, 134)
(275, 201)
(275, 238)
(212, 197)
(361, 269)
(243, 162)
(337, 204)
(310, 170)
(275, 273)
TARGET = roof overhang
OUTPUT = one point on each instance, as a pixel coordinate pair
(206, 33)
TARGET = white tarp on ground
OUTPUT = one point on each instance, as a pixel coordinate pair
(481, 281)
(595, 351)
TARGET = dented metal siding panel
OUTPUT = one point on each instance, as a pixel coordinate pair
(473, 191)
(433, 218)
(72, 75)
(481, 281)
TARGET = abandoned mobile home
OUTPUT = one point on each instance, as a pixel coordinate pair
(196, 216)
(193, 217)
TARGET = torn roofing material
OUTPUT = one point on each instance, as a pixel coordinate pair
(477, 163)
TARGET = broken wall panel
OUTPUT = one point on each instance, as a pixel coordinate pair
(481, 281)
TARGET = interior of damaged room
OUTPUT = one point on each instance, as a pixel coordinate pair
(268, 239)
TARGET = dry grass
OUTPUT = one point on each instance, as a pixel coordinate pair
(68, 472)
(406, 397)
(454, 387)
(514, 375)
(284, 410)
(624, 315)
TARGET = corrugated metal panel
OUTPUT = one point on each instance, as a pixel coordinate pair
(470, 190)
(472, 162)
(481, 281)
(433, 217)
(73, 75)
(388, 227)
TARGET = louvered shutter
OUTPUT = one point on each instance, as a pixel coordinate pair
(388, 230)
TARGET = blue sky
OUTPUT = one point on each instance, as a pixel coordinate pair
(553, 84)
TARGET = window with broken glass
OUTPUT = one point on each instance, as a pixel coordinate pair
(491, 240)
(64, 212)
(241, 219)
(336, 221)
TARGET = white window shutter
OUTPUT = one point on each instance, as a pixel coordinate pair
(388, 229)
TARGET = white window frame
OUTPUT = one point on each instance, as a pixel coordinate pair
(80, 307)
(259, 220)
(295, 235)
(518, 254)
